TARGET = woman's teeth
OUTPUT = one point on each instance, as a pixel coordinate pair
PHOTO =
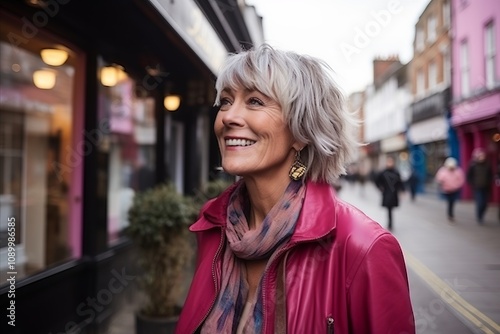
(239, 142)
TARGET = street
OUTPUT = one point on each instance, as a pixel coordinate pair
(453, 268)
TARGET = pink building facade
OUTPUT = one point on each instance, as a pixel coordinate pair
(476, 81)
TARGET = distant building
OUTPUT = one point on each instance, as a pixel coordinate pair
(385, 107)
(430, 78)
(476, 80)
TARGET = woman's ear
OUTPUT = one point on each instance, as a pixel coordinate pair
(298, 146)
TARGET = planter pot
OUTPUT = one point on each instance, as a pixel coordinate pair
(148, 325)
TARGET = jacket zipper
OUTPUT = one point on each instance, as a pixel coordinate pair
(215, 280)
(330, 325)
(264, 282)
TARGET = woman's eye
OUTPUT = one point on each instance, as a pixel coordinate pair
(224, 101)
(255, 101)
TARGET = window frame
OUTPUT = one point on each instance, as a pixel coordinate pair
(465, 88)
(420, 91)
(489, 55)
(432, 75)
(446, 14)
(431, 29)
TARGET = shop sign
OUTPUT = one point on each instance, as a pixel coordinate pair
(190, 23)
(428, 131)
(433, 105)
(393, 144)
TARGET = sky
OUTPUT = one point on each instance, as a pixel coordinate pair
(347, 34)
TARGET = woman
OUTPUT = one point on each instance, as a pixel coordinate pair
(451, 179)
(278, 252)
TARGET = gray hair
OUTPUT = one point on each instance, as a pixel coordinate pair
(312, 104)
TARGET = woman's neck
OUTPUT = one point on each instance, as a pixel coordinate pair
(263, 195)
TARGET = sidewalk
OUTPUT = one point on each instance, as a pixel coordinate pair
(124, 320)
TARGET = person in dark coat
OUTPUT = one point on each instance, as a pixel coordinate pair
(480, 178)
(390, 184)
(412, 182)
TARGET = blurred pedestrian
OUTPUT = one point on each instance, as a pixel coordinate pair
(390, 184)
(451, 179)
(278, 252)
(412, 184)
(480, 178)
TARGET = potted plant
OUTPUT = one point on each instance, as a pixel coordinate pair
(159, 219)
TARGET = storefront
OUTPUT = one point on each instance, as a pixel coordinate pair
(428, 146)
(98, 101)
(431, 139)
(477, 123)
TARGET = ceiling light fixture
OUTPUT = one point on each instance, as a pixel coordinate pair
(172, 102)
(54, 57)
(44, 78)
(111, 75)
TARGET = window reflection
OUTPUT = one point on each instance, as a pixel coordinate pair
(35, 140)
(131, 155)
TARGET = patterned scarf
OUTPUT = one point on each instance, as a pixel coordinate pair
(244, 244)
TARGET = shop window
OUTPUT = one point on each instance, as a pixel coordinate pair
(436, 152)
(130, 144)
(36, 142)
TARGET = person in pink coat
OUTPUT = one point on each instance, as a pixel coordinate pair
(451, 179)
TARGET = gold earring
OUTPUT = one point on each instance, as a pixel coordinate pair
(298, 169)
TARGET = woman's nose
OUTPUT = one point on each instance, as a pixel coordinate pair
(233, 115)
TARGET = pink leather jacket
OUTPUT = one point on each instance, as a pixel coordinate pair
(343, 273)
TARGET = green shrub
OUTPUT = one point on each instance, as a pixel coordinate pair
(159, 220)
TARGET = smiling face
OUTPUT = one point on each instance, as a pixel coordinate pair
(253, 137)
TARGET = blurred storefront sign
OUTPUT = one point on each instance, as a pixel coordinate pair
(433, 105)
(393, 144)
(190, 23)
(430, 130)
(475, 109)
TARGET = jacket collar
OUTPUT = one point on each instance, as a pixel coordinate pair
(317, 217)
